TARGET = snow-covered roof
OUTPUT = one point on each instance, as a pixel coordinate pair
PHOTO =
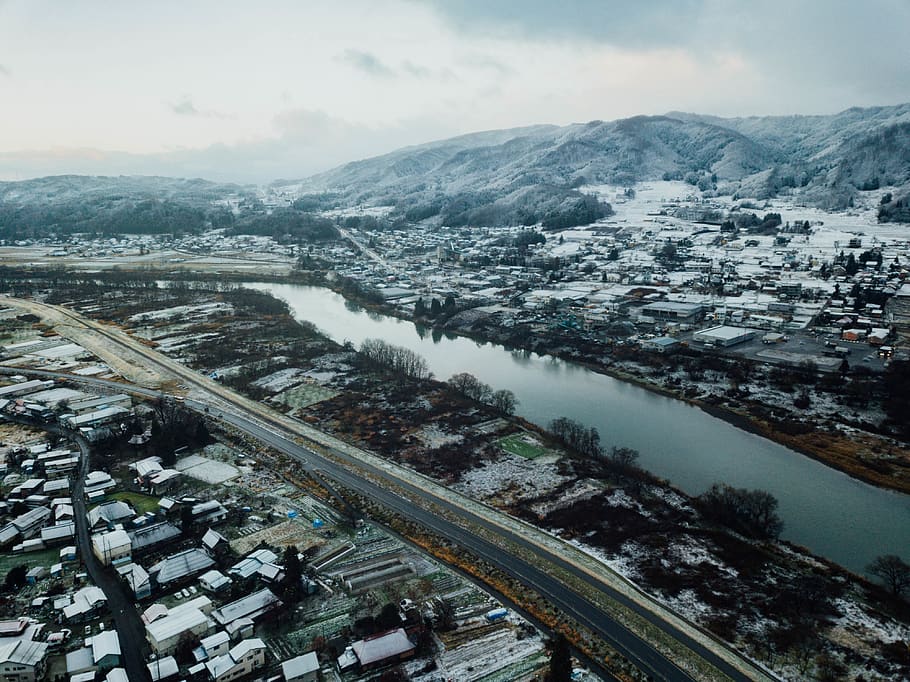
(381, 647)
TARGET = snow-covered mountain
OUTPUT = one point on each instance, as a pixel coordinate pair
(525, 174)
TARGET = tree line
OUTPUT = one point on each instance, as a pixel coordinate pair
(397, 359)
(466, 384)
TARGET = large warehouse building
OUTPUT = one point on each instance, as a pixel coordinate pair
(723, 336)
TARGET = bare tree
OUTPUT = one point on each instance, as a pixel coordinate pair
(504, 401)
(471, 387)
(893, 571)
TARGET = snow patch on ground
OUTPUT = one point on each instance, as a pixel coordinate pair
(688, 604)
(280, 380)
(691, 553)
(869, 626)
(509, 471)
(432, 436)
(182, 311)
(582, 490)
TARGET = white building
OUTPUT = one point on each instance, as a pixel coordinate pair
(301, 669)
(22, 661)
(164, 634)
(112, 548)
(241, 660)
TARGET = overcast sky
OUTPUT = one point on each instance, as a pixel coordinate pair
(255, 91)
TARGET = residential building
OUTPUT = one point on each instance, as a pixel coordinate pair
(181, 566)
(388, 647)
(252, 606)
(301, 669)
(241, 660)
(112, 548)
(164, 633)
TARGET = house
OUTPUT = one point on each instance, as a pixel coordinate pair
(23, 661)
(241, 660)
(249, 566)
(100, 653)
(25, 526)
(163, 480)
(148, 538)
(251, 606)
(137, 579)
(98, 482)
(212, 646)
(188, 619)
(215, 543)
(108, 514)
(301, 669)
(181, 566)
(210, 512)
(105, 650)
(214, 581)
(58, 533)
(388, 647)
(86, 603)
(239, 629)
(116, 675)
(79, 662)
(113, 547)
(164, 668)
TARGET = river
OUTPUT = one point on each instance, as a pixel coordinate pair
(833, 515)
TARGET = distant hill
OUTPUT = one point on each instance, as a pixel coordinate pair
(527, 175)
(520, 176)
(69, 204)
(99, 206)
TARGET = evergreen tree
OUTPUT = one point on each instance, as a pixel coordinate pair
(560, 659)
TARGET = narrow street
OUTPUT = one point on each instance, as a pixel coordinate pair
(127, 622)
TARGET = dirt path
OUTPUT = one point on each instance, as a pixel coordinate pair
(127, 364)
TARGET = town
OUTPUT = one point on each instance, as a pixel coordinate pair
(223, 568)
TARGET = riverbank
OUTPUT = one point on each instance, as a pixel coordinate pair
(865, 456)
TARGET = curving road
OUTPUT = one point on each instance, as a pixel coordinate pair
(379, 480)
(127, 622)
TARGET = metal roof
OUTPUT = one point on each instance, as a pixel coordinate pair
(181, 565)
(381, 647)
(151, 535)
(250, 606)
(301, 665)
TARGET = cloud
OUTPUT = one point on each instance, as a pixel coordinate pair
(822, 54)
(305, 142)
(367, 62)
(4, 71)
(616, 22)
(185, 107)
(423, 72)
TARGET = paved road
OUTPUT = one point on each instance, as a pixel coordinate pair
(256, 421)
(128, 624)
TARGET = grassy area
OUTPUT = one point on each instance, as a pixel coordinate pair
(141, 503)
(305, 395)
(46, 558)
(523, 445)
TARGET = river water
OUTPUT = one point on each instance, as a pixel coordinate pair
(833, 515)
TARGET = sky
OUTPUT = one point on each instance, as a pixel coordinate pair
(252, 92)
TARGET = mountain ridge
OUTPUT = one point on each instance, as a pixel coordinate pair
(825, 158)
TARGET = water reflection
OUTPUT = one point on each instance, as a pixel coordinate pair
(825, 510)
